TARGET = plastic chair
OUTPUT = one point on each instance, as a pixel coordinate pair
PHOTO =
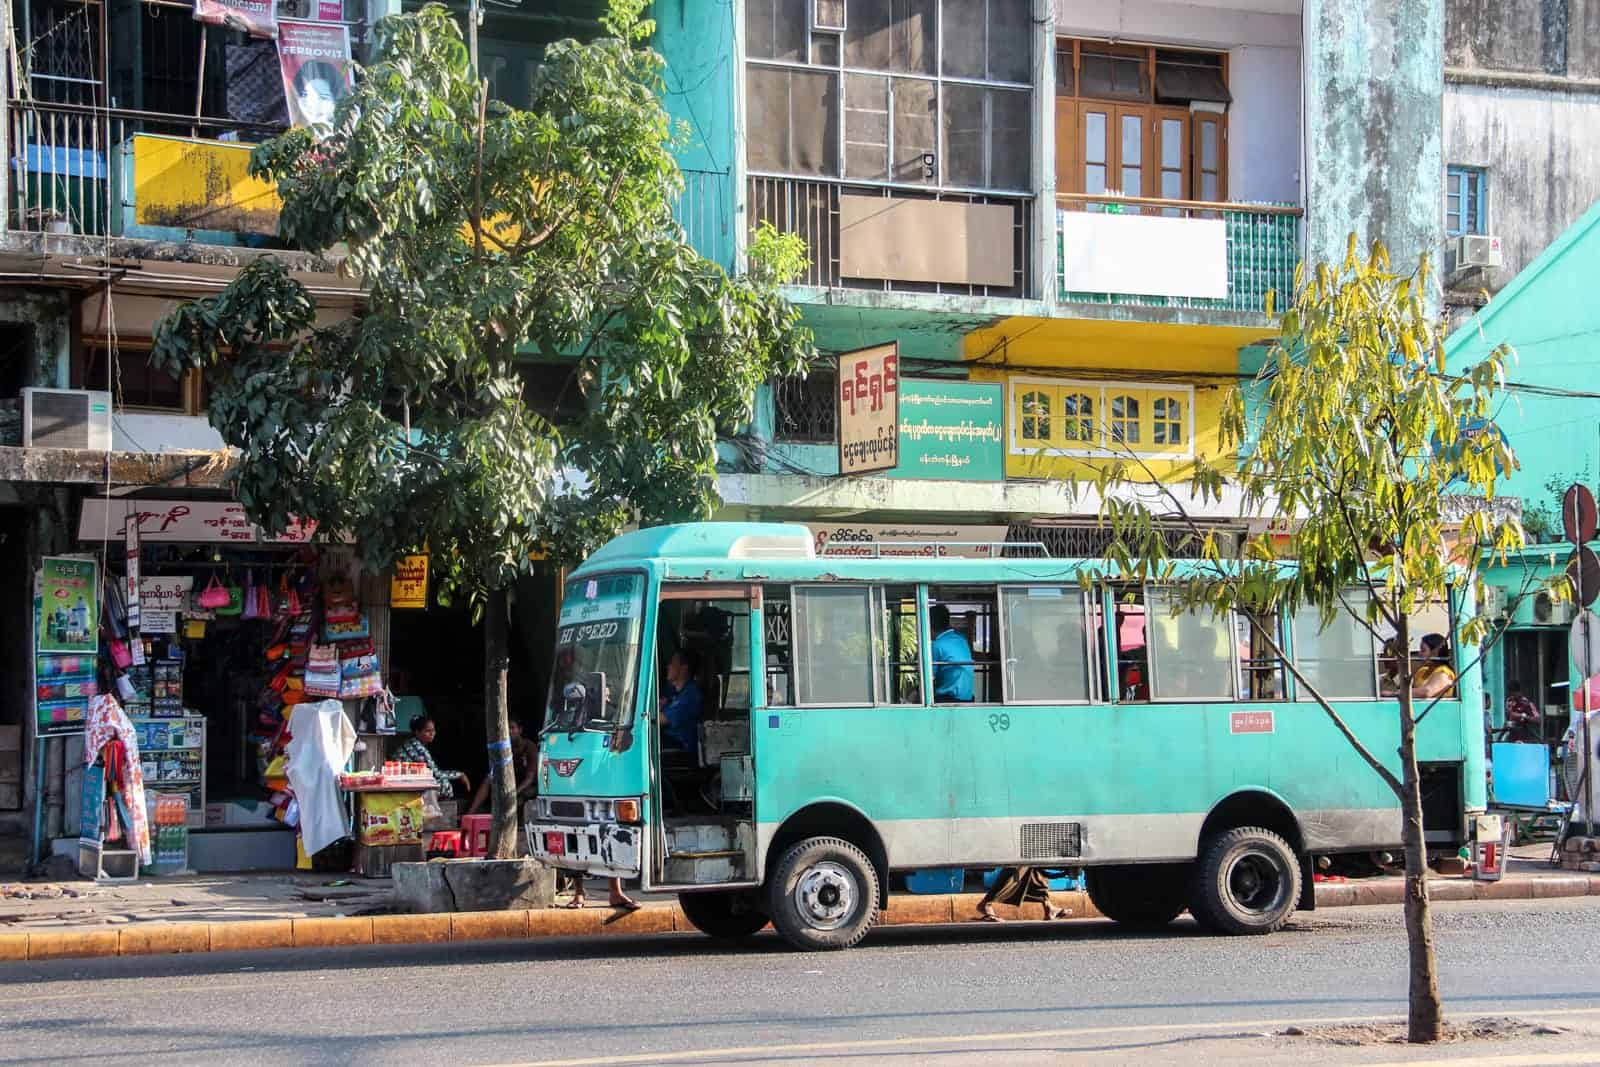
(446, 842)
(475, 830)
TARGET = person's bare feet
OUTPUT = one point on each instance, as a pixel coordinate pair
(986, 914)
(625, 902)
(1051, 912)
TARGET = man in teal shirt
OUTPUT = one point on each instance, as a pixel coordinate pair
(952, 660)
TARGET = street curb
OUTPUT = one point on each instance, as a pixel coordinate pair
(158, 938)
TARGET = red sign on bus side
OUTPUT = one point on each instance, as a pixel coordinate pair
(1250, 722)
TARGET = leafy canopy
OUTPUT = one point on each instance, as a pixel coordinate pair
(1380, 465)
(486, 236)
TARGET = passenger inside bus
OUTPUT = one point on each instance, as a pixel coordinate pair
(682, 702)
(1133, 657)
(1434, 677)
(952, 660)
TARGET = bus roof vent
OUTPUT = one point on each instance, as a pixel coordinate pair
(773, 546)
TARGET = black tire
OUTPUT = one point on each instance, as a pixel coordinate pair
(1247, 881)
(1141, 896)
(725, 915)
(823, 894)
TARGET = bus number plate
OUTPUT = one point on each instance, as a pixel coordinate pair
(1250, 722)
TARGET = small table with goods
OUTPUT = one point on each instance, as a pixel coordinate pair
(389, 815)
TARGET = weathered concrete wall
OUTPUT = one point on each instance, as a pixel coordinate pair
(1374, 82)
(1541, 151)
(1557, 37)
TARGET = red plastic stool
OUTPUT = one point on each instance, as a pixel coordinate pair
(446, 842)
(475, 829)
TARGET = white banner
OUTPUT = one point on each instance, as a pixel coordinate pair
(887, 539)
(205, 521)
(167, 592)
(1147, 255)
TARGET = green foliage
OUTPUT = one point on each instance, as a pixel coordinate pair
(485, 234)
(1377, 464)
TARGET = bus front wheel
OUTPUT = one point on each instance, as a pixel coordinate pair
(726, 915)
(1247, 882)
(1143, 896)
(823, 894)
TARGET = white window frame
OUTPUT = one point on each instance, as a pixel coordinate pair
(1100, 392)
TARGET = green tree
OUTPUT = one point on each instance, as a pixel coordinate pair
(483, 235)
(1381, 466)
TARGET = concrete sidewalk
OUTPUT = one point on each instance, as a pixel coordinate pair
(246, 912)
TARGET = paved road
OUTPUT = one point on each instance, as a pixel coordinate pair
(1017, 993)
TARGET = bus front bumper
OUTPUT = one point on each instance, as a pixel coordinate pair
(598, 848)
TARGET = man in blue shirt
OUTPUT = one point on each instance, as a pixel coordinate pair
(952, 660)
(683, 704)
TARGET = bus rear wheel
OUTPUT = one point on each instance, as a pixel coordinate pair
(1246, 882)
(726, 915)
(1141, 896)
(823, 894)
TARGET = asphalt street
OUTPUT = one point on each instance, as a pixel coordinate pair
(1013, 993)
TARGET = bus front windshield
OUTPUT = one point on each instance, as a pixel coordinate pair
(597, 653)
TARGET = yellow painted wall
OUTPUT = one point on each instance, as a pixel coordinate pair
(201, 185)
(1096, 351)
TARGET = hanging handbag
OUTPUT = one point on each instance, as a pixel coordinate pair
(214, 596)
(121, 655)
(288, 604)
(252, 604)
(348, 630)
(235, 605)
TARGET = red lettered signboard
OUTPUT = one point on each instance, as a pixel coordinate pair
(869, 409)
(1250, 722)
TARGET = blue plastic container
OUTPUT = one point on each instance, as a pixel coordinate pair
(937, 880)
(1521, 775)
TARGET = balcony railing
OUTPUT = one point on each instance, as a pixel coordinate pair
(811, 210)
(705, 211)
(1257, 246)
(70, 171)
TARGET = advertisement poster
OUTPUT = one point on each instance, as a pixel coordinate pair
(167, 592)
(873, 540)
(131, 589)
(314, 58)
(69, 606)
(207, 521)
(408, 587)
(258, 18)
(869, 409)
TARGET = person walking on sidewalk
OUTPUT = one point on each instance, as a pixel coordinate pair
(1017, 886)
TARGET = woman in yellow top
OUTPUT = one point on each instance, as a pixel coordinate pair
(1434, 678)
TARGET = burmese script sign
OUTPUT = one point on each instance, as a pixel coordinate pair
(194, 521)
(869, 409)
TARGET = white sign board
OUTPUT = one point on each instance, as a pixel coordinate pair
(167, 592)
(203, 521)
(885, 540)
(1146, 255)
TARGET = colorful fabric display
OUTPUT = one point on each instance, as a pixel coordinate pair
(349, 650)
(109, 730)
(322, 678)
(56, 666)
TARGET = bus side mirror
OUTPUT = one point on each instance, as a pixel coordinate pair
(594, 697)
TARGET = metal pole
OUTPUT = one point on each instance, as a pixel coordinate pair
(38, 798)
(474, 13)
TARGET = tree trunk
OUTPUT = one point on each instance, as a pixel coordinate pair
(1425, 1021)
(502, 785)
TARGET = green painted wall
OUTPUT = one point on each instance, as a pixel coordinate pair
(1550, 317)
(699, 42)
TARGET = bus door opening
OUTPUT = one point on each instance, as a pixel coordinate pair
(705, 773)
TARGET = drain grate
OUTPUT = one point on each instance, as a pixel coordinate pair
(1052, 840)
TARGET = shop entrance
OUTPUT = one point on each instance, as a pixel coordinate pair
(1537, 661)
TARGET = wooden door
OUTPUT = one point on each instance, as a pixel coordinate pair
(1210, 157)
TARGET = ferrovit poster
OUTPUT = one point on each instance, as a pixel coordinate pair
(314, 58)
(258, 18)
(69, 606)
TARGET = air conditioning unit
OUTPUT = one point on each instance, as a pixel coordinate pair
(1495, 602)
(1542, 609)
(1477, 251)
(66, 418)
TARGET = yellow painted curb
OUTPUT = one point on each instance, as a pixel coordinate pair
(410, 929)
(154, 939)
(332, 933)
(13, 947)
(252, 936)
(71, 944)
(488, 925)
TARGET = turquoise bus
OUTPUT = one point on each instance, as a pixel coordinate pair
(1168, 755)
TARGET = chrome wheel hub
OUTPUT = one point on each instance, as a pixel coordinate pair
(825, 896)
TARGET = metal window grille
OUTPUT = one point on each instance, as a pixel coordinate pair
(1089, 540)
(805, 408)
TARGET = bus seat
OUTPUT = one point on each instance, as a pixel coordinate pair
(730, 737)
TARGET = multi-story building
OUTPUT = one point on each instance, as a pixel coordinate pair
(1521, 104)
(1067, 215)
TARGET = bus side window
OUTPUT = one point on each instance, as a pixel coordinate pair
(1337, 658)
(1193, 650)
(778, 636)
(1261, 674)
(1131, 631)
(1046, 639)
(833, 645)
(1431, 620)
(901, 644)
(972, 615)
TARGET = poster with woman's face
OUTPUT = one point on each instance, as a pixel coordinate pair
(315, 60)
